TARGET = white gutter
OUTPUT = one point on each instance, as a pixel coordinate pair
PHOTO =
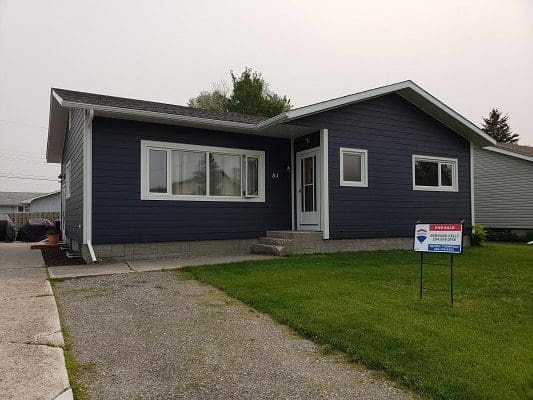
(158, 115)
(91, 251)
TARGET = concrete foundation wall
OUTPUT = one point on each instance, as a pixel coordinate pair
(307, 244)
(181, 249)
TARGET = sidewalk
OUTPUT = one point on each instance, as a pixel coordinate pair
(32, 365)
(77, 271)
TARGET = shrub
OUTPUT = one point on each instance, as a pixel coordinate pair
(506, 235)
(478, 235)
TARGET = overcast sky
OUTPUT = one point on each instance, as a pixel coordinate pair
(473, 55)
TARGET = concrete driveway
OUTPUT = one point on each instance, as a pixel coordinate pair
(32, 364)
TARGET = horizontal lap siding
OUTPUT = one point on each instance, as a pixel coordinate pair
(73, 152)
(392, 130)
(120, 216)
(503, 190)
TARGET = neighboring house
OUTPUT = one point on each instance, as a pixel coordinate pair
(48, 202)
(12, 202)
(144, 179)
(504, 186)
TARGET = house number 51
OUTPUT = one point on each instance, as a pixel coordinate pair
(275, 175)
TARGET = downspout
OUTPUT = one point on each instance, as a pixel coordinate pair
(91, 251)
(88, 182)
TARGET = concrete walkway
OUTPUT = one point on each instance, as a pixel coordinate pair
(32, 365)
(78, 271)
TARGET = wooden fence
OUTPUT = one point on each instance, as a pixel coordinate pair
(21, 217)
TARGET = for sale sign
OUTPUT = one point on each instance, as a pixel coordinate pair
(439, 238)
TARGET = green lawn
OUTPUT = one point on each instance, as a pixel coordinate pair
(366, 304)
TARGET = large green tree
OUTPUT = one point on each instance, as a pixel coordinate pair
(250, 95)
(497, 126)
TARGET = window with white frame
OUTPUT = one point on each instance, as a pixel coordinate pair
(434, 173)
(354, 167)
(67, 180)
(173, 171)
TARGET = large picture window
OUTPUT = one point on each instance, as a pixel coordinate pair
(434, 173)
(172, 171)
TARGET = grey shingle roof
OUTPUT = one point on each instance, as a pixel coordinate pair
(133, 104)
(15, 198)
(516, 148)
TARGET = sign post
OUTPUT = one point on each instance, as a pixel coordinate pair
(438, 238)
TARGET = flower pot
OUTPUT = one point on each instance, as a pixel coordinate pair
(53, 238)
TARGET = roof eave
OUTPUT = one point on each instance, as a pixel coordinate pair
(57, 129)
(163, 117)
(412, 93)
(509, 153)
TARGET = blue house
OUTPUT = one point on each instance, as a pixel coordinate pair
(144, 179)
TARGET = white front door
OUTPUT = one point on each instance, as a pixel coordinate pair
(308, 189)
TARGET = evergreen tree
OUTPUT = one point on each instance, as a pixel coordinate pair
(496, 125)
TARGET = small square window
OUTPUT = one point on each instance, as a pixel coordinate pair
(434, 174)
(354, 167)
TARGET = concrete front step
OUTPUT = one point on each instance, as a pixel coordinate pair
(261, 248)
(298, 235)
(274, 241)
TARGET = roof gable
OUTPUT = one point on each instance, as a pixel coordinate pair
(412, 93)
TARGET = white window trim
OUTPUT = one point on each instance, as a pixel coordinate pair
(68, 179)
(146, 145)
(439, 160)
(364, 167)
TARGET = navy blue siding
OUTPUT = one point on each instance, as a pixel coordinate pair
(392, 130)
(120, 216)
(307, 142)
(73, 152)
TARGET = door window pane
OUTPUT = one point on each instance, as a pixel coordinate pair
(446, 175)
(308, 184)
(309, 197)
(252, 176)
(158, 171)
(188, 173)
(224, 175)
(426, 173)
(351, 164)
(308, 170)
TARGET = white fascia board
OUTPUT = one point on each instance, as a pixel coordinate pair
(508, 153)
(57, 97)
(436, 102)
(345, 100)
(161, 116)
(368, 94)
